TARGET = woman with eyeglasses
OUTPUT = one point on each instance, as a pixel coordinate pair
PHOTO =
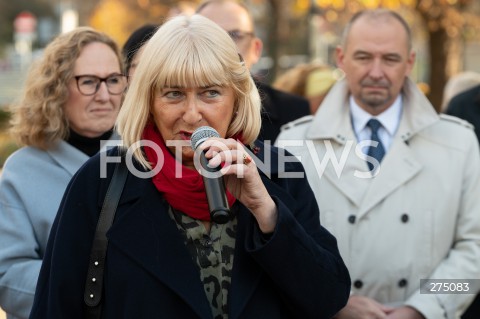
(70, 103)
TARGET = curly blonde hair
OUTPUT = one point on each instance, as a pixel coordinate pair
(38, 118)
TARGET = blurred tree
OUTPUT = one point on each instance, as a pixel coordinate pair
(284, 29)
(278, 33)
(120, 18)
(449, 24)
(107, 15)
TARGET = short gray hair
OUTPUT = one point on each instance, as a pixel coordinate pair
(376, 14)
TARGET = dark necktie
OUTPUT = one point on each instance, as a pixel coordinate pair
(379, 151)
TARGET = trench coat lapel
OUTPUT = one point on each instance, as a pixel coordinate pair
(332, 122)
(346, 177)
(140, 229)
(400, 163)
(331, 129)
(397, 168)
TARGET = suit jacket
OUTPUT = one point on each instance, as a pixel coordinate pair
(31, 188)
(297, 273)
(417, 219)
(278, 108)
(466, 105)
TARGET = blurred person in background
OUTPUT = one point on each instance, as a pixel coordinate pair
(166, 258)
(402, 192)
(133, 47)
(71, 101)
(466, 105)
(182, 7)
(278, 107)
(457, 84)
(310, 80)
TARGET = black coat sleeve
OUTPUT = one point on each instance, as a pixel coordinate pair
(301, 256)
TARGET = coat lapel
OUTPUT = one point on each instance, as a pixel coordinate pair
(400, 163)
(245, 277)
(332, 123)
(344, 175)
(398, 167)
(332, 130)
(71, 158)
(140, 232)
(246, 274)
(67, 156)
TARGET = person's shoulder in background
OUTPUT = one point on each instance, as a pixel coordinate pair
(466, 106)
(458, 84)
(279, 108)
(460, 102)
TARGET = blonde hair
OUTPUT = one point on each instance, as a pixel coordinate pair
(38, 118)
(189, 51)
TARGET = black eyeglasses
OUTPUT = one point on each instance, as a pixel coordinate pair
(238, 35)
(89, 84)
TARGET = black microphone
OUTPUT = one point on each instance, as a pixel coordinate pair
(214, 186)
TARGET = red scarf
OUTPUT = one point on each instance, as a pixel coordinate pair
(185, 194)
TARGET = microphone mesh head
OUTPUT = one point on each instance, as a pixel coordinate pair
(201, 134)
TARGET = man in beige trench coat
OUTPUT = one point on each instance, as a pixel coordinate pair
(416, 214)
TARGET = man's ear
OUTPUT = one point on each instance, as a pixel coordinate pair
(410, 61)
(257, 47)
(339, 56)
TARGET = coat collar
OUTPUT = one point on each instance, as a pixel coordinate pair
(139, 231)
(268, 109)
(71, 158)
(330, 122)
(67, 156)
(333, 123)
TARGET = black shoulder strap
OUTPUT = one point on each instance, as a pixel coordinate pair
(94, 284)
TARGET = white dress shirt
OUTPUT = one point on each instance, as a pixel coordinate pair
(390, 119)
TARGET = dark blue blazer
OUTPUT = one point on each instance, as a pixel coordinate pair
(279, 108)
(295, 273)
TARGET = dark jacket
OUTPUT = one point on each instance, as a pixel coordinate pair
(466, 105)
(296, 273)
(279, 108)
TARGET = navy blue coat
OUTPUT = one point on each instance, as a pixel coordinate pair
(466, 105)
(279, 108)
(297, 273)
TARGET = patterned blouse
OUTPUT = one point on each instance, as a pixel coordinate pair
(213, 254)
